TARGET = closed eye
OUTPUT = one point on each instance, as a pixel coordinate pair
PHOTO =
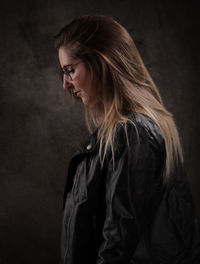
(67, 71)
(71, 71)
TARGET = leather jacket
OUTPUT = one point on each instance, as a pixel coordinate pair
(125, 213)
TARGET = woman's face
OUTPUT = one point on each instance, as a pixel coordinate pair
(79, 82)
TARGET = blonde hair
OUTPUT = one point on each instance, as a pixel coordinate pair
(121, 79)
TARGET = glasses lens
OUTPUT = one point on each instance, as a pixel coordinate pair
(69, 78)
(67, 74)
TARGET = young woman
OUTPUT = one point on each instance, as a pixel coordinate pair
(127, 198)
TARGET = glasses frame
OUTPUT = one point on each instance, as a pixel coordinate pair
(67, 72)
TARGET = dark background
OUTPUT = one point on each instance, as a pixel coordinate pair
(41, 127)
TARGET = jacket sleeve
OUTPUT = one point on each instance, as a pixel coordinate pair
(129, 186)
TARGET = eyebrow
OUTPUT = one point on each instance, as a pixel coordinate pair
(69, 65)
(66, 65)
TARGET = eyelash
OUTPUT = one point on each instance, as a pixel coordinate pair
(70, 71)
(67, 72)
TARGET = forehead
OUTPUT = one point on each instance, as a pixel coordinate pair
(64, 57)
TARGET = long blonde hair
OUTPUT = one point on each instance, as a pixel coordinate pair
(121, 79)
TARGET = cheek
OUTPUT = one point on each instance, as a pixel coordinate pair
(85, 84)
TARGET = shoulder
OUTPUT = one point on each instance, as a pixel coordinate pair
(141, 128)
(144, 122)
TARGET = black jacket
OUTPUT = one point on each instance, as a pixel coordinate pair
(126, 214)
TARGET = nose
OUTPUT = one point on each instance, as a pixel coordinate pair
(66, 83)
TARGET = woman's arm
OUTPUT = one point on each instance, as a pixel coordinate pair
(129, 187)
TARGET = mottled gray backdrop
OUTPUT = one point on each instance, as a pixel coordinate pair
(41, 127)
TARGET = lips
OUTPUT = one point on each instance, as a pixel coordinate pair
(77, 93)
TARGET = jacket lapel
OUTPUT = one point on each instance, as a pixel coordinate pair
(87, 147)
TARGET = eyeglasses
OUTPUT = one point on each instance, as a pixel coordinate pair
(68, 70)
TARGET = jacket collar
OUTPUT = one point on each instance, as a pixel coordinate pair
(88, 145)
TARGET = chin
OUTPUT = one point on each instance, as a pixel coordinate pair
(85, 101)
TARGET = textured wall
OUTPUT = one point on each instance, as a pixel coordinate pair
(41, 127)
